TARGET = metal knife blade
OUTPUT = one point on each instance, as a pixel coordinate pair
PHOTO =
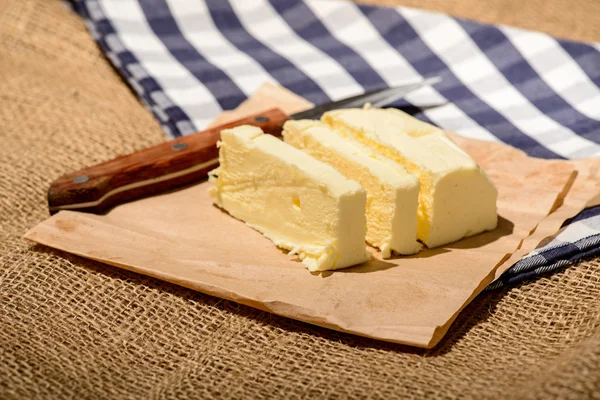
(377, 98)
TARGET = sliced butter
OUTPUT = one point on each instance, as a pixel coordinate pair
(456, 198)
(298, 202)
(392, 193)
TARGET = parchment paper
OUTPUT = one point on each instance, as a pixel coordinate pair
(181, 238)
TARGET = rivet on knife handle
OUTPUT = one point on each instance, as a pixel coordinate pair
(154, 170)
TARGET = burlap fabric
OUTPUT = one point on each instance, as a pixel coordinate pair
(71, 328)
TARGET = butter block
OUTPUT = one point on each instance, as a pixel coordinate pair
(456, 198)
(392, 193)
(301, 204)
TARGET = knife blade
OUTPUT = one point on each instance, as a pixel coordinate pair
(184, 160)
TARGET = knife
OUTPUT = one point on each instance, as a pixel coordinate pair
(184, 160)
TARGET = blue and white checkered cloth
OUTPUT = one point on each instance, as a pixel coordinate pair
(188, 60)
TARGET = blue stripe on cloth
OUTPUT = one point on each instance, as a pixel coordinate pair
(583, 215)
(279, 67)
(306, 25)
(550, 259)
(586, 56)
(401, 36)
(144, 87)
(498, 48)
(556, 253)
(304, 22)
(552, 265)
(161, 21)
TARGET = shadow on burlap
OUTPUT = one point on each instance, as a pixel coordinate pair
(72, 328)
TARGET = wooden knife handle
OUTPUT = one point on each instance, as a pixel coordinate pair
(154, 170)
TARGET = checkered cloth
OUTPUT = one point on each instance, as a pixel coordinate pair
(188, 60)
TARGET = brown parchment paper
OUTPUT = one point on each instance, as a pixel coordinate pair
(181, 238)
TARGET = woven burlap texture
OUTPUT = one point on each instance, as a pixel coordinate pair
(73, 329)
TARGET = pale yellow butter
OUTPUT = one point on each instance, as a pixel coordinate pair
(392, 193)
(456, 197)
(300, 203)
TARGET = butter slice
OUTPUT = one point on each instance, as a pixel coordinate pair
(301, 204)
(456, 198)
(392, 193)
